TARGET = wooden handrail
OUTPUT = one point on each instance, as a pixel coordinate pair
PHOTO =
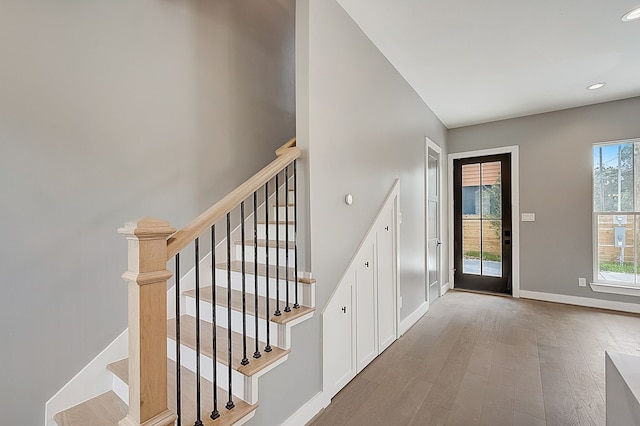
(289, 144)
(181, 239)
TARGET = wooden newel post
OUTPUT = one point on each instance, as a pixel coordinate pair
(147, 277)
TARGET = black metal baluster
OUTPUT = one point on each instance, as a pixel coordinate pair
(296, 305)
(277, 312)
(257, 353)
(244, 361)
(198, 421)
(266, 218)
(214, 344)
(230, 403)
(178, 378)
(287, 308)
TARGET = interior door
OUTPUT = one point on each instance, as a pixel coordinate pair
(433, 225)
(482, 223)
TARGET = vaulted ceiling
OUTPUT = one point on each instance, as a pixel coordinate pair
(479, 61)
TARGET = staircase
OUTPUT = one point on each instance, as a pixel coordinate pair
(229, 324)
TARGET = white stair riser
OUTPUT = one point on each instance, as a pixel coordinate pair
(249, 254)
(188, 360)
(120, 388)
(236, 284)
(282, 212)
(188, 281)
(236, 321)
(272, 231)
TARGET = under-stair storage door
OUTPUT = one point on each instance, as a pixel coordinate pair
(366, 306)
(385, 237)
(338, 338)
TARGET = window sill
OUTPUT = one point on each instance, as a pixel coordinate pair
(615, 289)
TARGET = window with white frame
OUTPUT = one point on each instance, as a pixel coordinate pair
(616, 212)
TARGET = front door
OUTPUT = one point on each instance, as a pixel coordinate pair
(482, 223)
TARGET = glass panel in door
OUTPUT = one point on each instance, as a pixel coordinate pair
(482, 219)
(491, 201)
(482, 223)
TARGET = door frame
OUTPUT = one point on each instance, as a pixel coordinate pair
(515, 208)
(441, 225)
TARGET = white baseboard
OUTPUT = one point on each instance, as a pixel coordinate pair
(93, 380)
(581, 301)
(444, 288)
(413, 318)
(308, 410)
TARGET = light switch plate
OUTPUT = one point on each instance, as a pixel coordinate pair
(528, 217)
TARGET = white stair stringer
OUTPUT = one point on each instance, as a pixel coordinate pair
(244, 387)
(284, 330)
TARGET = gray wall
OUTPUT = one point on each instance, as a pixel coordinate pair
(110, 111)
(367, 127)
(362, 126)
(555, 184)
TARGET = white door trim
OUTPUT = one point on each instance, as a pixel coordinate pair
(436, 148)
(515, 206)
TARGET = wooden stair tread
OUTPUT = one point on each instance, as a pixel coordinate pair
(236, 266)
(120, 369)
(236, 304)
(103, 410)
(188, 338)
(188, 393)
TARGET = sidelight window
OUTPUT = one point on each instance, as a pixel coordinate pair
(616, 212)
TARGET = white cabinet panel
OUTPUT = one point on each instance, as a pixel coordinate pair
(386, 280)
(361, 318)
(366, 297)
(337, 332)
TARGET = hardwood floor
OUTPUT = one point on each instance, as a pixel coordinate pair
(477, 359)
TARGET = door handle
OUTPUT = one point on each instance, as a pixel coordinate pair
(344, 309)
(386, 227)
(366, 264)
(438, 244)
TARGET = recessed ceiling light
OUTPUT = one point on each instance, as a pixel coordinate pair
(631, 15)
(595, 86)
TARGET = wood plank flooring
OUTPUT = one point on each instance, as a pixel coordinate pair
(477, 359)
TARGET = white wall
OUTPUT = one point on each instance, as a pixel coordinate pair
(110, 111)
(556, 184)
